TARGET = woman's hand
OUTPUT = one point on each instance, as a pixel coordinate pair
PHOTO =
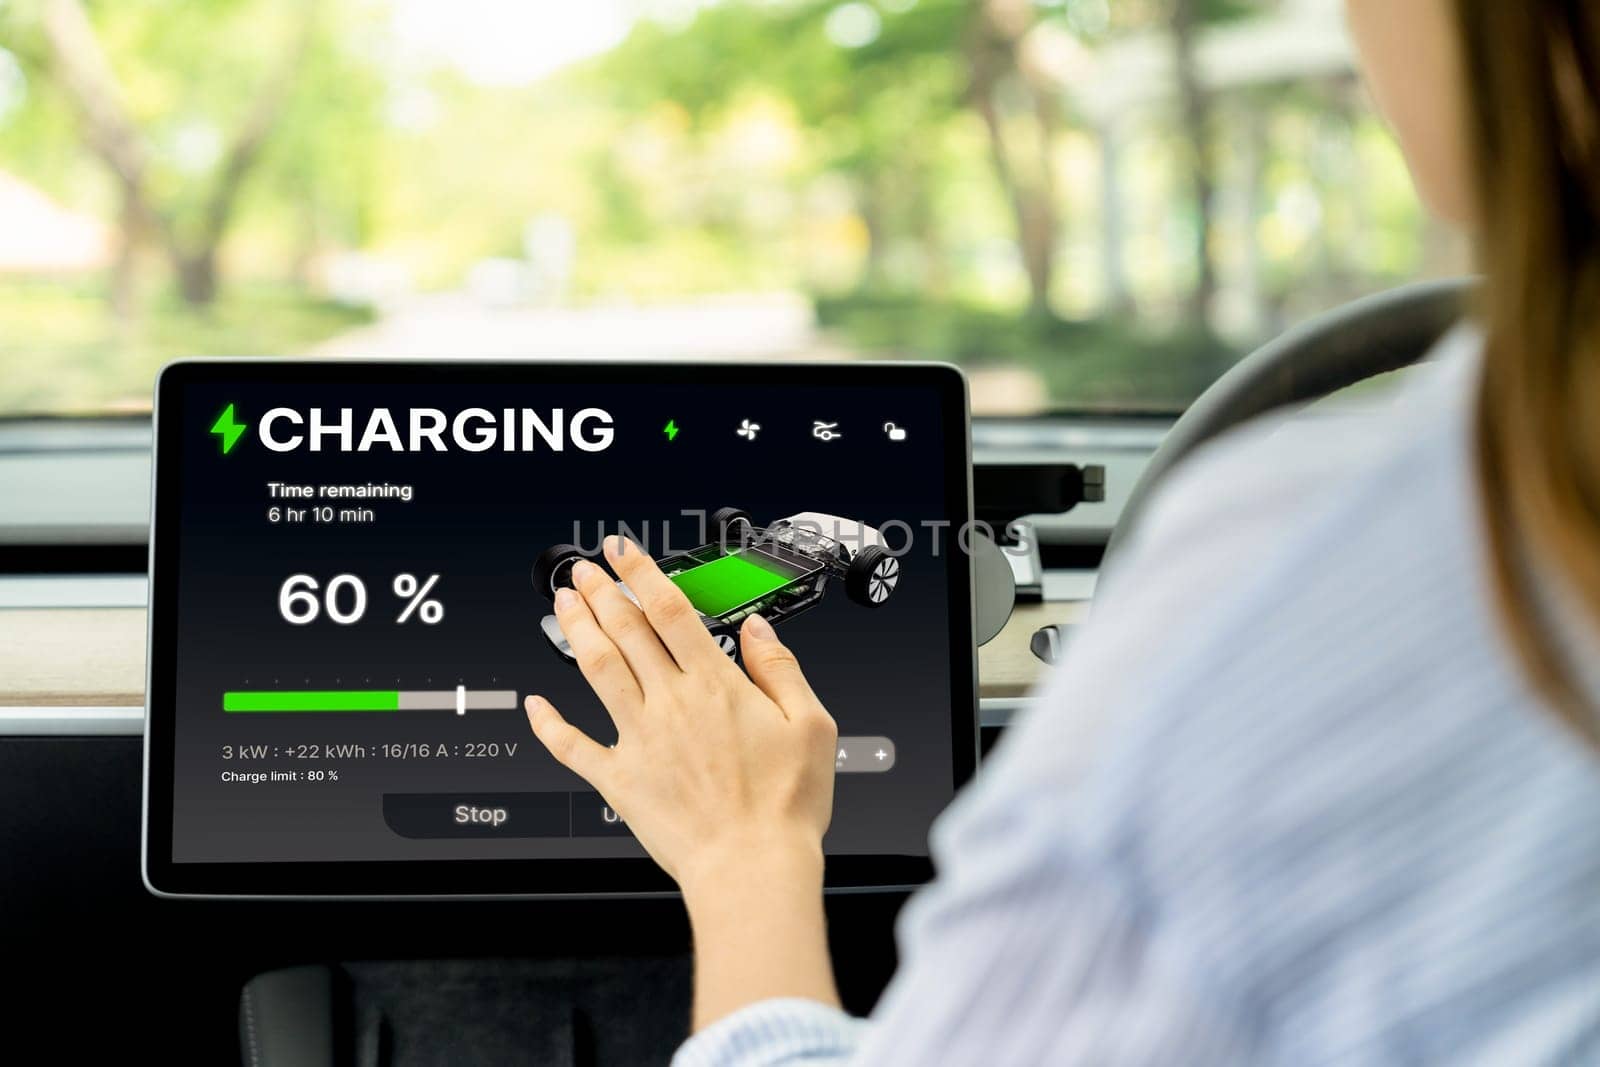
(726, 780)
(716, 773)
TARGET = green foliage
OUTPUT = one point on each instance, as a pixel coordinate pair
(62, 352)
(1132, 16)
(189, 77)
(322, 169)
(38, 137)
(1110, 363)
(749, 149)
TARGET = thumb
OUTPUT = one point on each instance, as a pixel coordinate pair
(571, 747)
(773, 667)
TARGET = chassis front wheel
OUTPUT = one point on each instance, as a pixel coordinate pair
(872, 577)
(553, 568)
(726, 638)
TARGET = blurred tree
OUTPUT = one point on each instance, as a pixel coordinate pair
(882, 105)
(1195, 115)
(190, 228)
(319, 176)
(1007, 95)
(872, 89)
(1186, 20)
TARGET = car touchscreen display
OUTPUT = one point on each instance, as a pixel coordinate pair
(352, 583)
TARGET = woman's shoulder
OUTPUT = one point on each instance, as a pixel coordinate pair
(1291, 724)
(1348, 537)
(1314, 587)
(1326, 561)
(1301, 477)
(1305, 616)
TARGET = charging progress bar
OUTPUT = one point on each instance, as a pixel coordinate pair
(460, 700)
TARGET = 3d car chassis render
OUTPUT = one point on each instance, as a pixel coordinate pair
(777, 571)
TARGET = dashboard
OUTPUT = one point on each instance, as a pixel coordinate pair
(73, 629)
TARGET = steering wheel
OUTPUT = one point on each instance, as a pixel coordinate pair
(1323, 355)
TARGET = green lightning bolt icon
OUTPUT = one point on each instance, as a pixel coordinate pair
(670, 429)
(228, 429)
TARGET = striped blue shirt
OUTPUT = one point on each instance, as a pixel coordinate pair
(1289, 800)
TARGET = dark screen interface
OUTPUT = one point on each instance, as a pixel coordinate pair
(358, 616)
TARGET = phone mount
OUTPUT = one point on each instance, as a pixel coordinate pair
(1009, 492)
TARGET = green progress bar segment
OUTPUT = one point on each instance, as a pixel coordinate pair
(312, 700)
(460, 700)
(717, 587)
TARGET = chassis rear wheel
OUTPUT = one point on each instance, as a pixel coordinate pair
(731, 526)
(872, 577)
(553, 568)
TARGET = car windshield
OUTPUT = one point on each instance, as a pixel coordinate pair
(1091, 205)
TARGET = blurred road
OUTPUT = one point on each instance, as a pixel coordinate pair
(768, 326)
(457, 325)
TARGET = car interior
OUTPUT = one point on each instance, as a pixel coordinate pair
(677, 217)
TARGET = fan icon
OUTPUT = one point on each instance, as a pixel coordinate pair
(748, 430)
